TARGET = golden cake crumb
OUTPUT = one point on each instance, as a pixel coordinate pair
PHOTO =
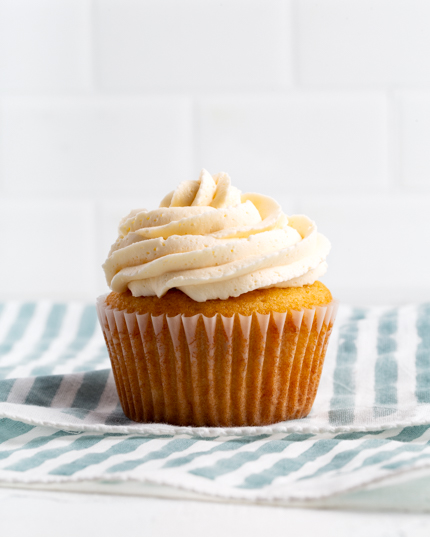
(263, 301)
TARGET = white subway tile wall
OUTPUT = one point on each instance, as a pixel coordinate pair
(378, 245)
(95, 146)
(192, 45)
(47, 248)
(45, 46)
(414, 114)
(106, 105)
(296, 142)
(363, 43)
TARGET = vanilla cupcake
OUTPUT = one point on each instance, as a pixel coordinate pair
(216, 317)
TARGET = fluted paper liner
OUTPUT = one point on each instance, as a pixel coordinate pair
(217, 371)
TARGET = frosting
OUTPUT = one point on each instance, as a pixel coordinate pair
(211, 241)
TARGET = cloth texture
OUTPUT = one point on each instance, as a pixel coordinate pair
(61, 422)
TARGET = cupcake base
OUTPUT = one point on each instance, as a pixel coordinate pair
(217, 371)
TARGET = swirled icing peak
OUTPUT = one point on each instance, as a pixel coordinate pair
(211, 241)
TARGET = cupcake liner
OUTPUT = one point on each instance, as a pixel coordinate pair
(217, 371)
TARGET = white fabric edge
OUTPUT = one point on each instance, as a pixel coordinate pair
(26, 415)
(407, 494)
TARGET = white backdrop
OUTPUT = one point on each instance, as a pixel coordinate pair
(106, 105)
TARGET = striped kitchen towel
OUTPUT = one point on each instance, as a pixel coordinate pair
(61, 423)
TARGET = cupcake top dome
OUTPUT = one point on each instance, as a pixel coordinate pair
(210, 241)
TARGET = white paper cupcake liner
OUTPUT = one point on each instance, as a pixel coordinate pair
(217, 371)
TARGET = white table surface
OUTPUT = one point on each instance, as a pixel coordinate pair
(45, 514)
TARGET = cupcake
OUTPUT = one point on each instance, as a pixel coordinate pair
(216, 315)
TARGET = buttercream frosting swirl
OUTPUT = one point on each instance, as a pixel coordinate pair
(211, 241)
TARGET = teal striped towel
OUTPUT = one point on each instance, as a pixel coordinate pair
(61, 423)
